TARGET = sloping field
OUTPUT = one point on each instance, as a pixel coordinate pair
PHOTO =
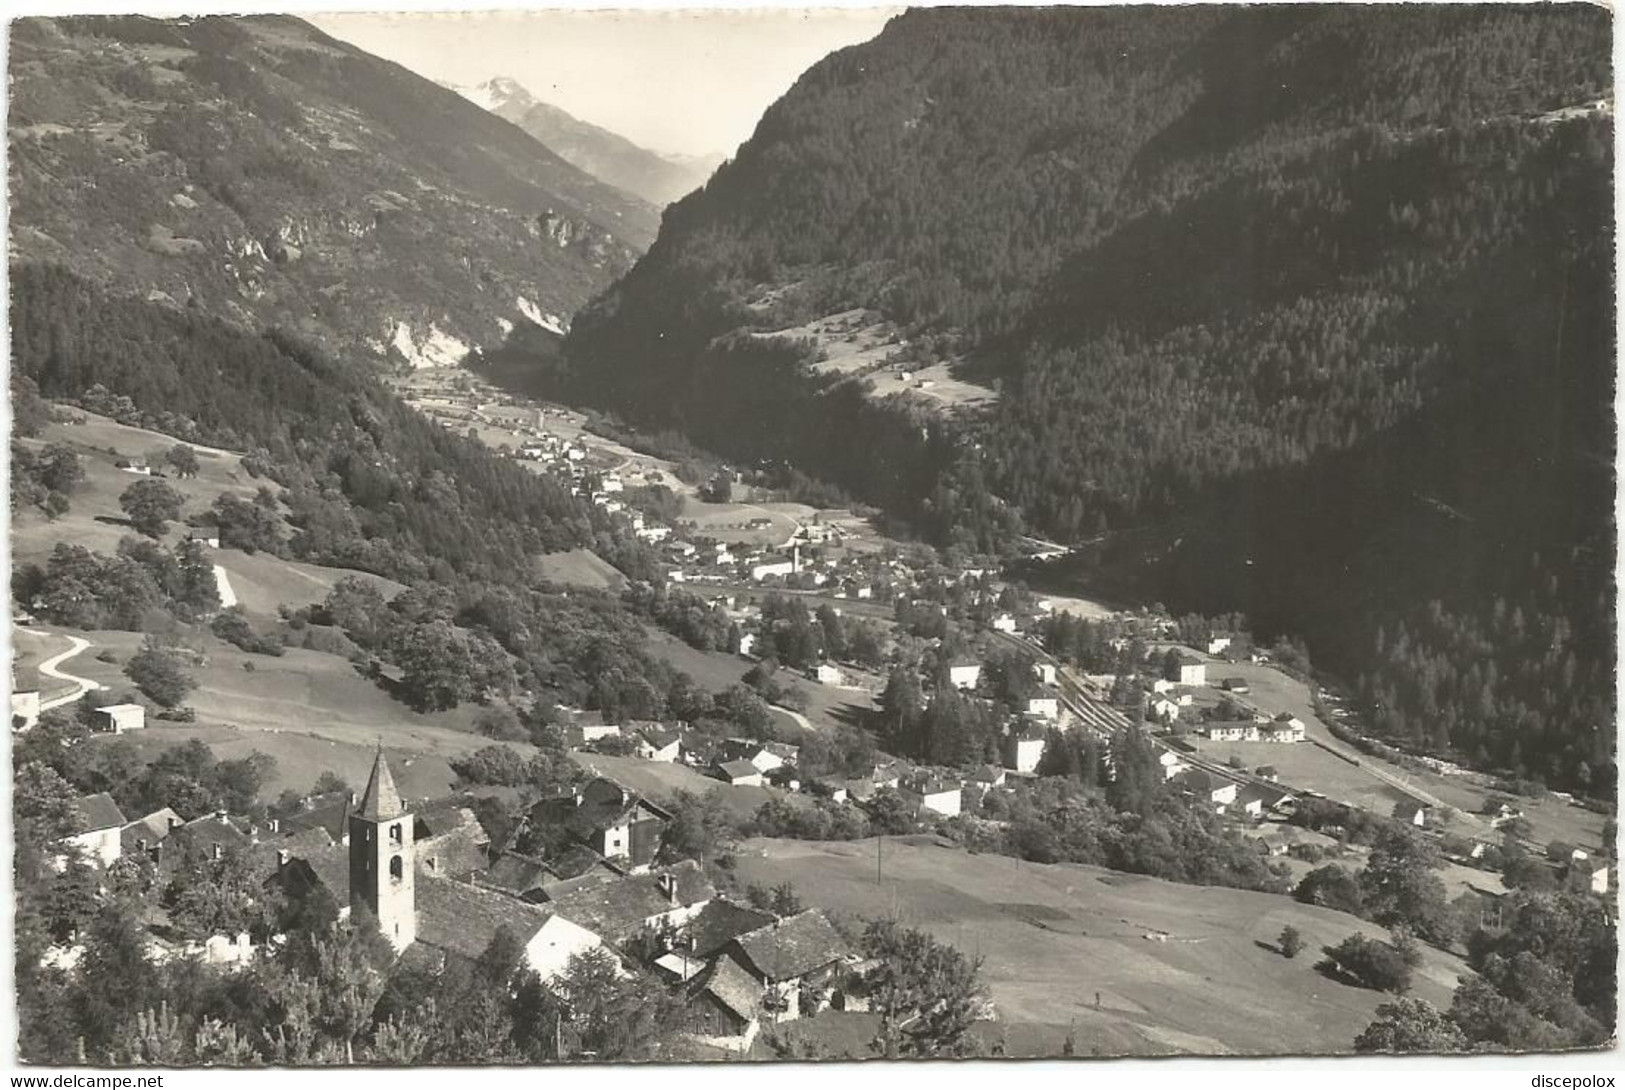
(1137, 965)
(95, 520)
(1375, 784)
(264, 582)
(715, 670)
(301, 691)
(579, 568)
(301, 758)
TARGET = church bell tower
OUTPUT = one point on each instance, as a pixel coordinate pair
(381, 861)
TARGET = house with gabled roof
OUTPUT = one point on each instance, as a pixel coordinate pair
(621, 909)
(1202, 784)
(613, 821)
(789, 957)
(654, 742)
(144, 835)
(724, 1007)
(740, 774)
(97, 823)
(455, 919)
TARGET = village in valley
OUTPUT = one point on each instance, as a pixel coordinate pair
(1032, 533)
(879, 695)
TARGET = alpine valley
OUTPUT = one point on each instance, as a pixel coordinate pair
(1303, 312)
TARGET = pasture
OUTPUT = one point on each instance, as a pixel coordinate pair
(1133, 965)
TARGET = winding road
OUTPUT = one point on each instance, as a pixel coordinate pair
(81, 685)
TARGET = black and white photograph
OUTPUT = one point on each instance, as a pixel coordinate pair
(811, 535)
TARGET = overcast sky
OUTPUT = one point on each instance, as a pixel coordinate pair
(694, 83)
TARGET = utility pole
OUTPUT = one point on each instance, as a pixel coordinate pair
(879, 840)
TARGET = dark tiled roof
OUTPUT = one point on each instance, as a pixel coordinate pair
(792, 947)
(462, 919)
(617, 908)
(380, 801)
(657, 736)
(737, 770)
(576, 861)
(153, 829)
(328, 868)
(331, 815)
(719, 923)
(515, 873)
(731, 986)
(95, 812)
(454, 854)
(204, 833)
(435, 818)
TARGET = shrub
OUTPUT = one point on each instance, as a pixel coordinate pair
(1368, 963)
(1291, 941)
(157, 671)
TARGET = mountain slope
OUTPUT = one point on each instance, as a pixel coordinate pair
(1303, 311)
(601, 153)
(265, 172)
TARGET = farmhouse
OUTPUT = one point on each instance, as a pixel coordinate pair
(1024, 747)
(1163, 710)
(740, 774)
(933, 795)
(454, 919)
(747, 644)
(724, 1007)
(1192, 671)
(96, 824)
(145, 835)
(1005, 623)
(657, 743)
(1045, 672)
(619, 909)
(1235, 685)
(794, 963)
(604, 816)
(1218, 645)
(825, 674)
(1202, 784)
(1171, 764)
(118, 718)
(986, 778)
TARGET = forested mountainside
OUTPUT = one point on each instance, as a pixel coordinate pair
(601, 153)
(264, 172)
(1301, 311)
(350, 477)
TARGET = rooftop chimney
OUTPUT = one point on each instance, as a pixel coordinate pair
(668, 887)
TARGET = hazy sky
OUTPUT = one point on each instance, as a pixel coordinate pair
(695, 82)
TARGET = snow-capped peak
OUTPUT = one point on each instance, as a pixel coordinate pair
(495, 93)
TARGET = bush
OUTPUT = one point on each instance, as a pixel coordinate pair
(1367, 963)
(1291, 941)
(158, 673)
(232, 626)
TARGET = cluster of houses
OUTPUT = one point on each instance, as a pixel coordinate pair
(441, 890)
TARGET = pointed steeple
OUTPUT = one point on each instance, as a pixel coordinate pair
(380, 801)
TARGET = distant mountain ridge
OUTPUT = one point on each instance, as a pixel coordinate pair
(262, 171)
(659, 179)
